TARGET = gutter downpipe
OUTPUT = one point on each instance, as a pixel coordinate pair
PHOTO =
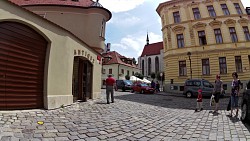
(118, 72)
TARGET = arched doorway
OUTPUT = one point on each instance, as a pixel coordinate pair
(82, 79)
(22, 59)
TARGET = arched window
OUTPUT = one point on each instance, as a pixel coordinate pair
(156, 64)
(149, 66)
(142, 67)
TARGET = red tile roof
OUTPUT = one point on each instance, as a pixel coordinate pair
(152, 49)
(81, 3)
(115, 58)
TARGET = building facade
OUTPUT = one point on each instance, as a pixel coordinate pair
(151, 59)
(204, 38)
(117, 65)
(48, 63)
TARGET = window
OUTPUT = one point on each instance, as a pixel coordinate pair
(182, 68)
(157, 64)
(238, 64)
(211, 11)
(225, 9)
(122, 71)
(205, 67)
(142, 67)
(202, 37)
(238, 9)
(127, 72)
(180, 40)
(102, 32)
(196, 13)
(149, 66)
(218, 36)
(246, 32)
(177, 18)
(233, 34)
(223, 65)
(133, 73)
(110, 71)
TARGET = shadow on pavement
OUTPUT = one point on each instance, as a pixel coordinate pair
(170, 101)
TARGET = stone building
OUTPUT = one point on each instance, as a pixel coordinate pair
(204, 38)
(50, 52)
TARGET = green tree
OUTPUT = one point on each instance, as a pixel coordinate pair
(134, 61)
(127, 77)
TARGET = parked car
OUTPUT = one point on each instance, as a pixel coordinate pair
(245, 105)
(192, 86)
(123, 85)
(142, 88)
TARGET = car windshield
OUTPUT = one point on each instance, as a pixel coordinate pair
(128, 82)
(143, 84)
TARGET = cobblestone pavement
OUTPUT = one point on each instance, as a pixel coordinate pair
(132, 117)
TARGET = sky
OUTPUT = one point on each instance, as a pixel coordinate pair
(131, 21)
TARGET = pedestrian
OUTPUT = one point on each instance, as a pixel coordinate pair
(235, 92)
(153, 84)
(110, 85)
(199, 101)
(218, 89)
(157, 86)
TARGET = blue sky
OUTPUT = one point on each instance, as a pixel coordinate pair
(131, 20)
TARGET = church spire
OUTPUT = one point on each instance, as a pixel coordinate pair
(147, 39)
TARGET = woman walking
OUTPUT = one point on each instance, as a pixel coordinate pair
(235, 94)
(218, 89)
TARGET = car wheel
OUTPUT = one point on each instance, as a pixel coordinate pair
(189, 94)
(123, 89)
(142, 91)
(132, 91)
(244, 112)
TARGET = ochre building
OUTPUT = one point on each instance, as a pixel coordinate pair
(50, 52)
(204, 38)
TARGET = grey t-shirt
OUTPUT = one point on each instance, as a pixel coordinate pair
(217, 86)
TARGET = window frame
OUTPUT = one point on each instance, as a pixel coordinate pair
(225, 9)
(177, 17)
(223, 65)
(182, 68)
(202, 37)
(180, 40)
(218, 36)
(205, 66)
(238, 64)
(110, 71)
(211, 11)
(233, 34)
(238, 8)
(246, 33)
(196, 13)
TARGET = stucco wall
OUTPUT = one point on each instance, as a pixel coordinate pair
(59, 58)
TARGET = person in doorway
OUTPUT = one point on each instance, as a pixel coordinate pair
(218, 89)
(110, 85)
(235, 92)
(199, 101)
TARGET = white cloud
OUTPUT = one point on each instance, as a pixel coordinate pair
(121, 5)
(125, 20)
(132, 45)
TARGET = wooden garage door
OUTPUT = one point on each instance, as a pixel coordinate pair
(22, 57)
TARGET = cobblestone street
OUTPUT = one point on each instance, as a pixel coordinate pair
(131, 117)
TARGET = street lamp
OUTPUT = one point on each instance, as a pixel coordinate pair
(189, 55)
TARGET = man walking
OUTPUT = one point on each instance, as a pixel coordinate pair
(110, 84)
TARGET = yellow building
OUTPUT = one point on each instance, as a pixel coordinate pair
(204, 38)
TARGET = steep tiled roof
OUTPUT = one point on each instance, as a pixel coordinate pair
(152, 49)
(81, 3)
(115, 58)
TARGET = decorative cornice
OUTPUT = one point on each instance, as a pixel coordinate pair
(178, 29)
(215, 24)
(199, 26)
(230, 22)
(243, 22)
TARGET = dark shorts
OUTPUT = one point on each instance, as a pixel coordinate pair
(217, 97)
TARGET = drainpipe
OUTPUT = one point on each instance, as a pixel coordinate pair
(118, 72)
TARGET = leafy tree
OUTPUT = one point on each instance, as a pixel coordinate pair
(153, 75)
(134, 61)
(127, 77)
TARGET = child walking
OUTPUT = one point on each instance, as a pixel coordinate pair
(199, 101)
